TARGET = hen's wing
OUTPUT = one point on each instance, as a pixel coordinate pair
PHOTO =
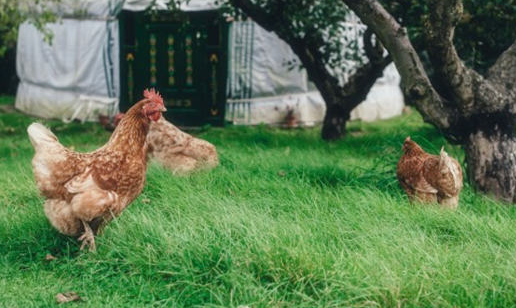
(164, 137)
(448, 183)
(410, 176)
(90, 200)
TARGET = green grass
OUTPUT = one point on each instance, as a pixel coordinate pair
(286, 220)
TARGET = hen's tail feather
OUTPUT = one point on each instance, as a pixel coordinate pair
(39, 134)
(455, 172)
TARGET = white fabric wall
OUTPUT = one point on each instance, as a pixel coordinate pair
(275, 88)
(80, 62)
(77, 76)
(385, 100)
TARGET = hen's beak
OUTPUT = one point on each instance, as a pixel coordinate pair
(163, 109)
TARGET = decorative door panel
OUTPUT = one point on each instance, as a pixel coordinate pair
(178, 58)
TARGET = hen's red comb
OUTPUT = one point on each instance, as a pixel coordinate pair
(153, 96)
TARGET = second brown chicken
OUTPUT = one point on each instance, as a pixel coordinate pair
(429, 178)
(179, 152)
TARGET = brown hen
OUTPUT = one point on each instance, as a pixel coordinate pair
(429, 178)
(176, 150)
(83, 191)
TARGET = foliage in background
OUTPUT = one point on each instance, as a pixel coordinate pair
(486, 29)
(13, 13)
(313, 21)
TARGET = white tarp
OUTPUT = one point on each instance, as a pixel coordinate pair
(86, 9)
(385, 100)
(82, 61)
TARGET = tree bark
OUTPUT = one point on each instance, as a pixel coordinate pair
(334, 123)
(354, 92)
(491, 159)
(340, 99)
(503, 72)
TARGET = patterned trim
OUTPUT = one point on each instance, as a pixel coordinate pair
(152, 56)
(189, 60)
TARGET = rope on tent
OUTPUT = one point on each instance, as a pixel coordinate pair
(240, 70)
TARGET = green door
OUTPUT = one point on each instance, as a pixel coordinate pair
(183, 56)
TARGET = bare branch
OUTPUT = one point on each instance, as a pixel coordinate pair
(358, 85)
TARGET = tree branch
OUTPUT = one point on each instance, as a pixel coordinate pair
(308, 55)
(359, 84)
(503, 72)
(373, 52)
(466, 88)
(414, 81)
(458, 80)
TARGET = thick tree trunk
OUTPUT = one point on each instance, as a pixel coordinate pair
(491, 159)
(334, 124)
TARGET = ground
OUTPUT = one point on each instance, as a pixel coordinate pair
(286, 220)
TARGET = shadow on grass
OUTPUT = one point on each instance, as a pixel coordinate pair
(28, 243)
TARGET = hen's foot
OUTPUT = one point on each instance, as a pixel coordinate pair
(87, 237)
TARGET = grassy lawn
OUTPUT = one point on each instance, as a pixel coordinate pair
(286, 220)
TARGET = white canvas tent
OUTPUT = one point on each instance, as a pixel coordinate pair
(77, 76)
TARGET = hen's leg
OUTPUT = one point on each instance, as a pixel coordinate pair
(87, 237)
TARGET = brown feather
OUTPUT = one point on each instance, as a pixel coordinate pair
(429, 178)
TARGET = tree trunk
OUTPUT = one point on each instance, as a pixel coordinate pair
(491, 160)
(334, 124)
